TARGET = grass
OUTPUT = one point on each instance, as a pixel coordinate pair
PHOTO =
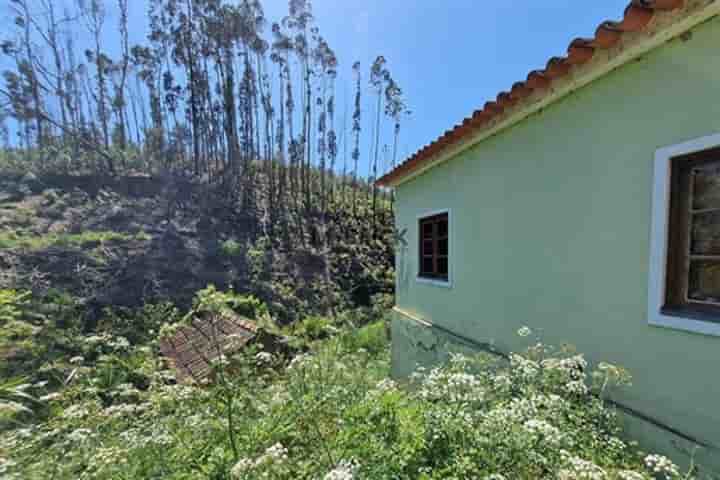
(13, 240)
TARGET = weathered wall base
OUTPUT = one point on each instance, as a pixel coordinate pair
(419, 343)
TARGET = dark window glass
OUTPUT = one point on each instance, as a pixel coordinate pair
(434, 247)
(427, 265)
(443, 266)
(442, 228)
(443, 246)
(427, 230)
(427, 247)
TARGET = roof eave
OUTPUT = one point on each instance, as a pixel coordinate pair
(666, 26)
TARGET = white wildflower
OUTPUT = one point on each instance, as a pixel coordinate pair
(576, 387)
(264, 357)
(501, 382)
(220, 361)
(454, 387)
(659, 464)
(345, 470)
(125, 390)
(386, 385)
(76, 412)
(241, 467)
(299, 361)
(77, 360)
(79, 435)
(630, 475)
(543, 429)
(277, 454)
(458, 359)
(524, 332)
(96, 339)
(124, 410)
(579, 469)
(119, 343)
(526, 368)
(616, 444)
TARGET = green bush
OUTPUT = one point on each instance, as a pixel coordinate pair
(371, 338)
(313, 327)
(231, 248)
(12, 304)
(139, 325)
(213, 300)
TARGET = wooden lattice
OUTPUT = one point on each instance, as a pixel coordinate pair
(193, 348)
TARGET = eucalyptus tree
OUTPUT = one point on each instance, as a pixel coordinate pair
(51, 36)
(356, 128)
(23, 50)
(148, 67)
(72, 87)
(4, 130)
(395, 108)
(94, 13)
(119, 102)
(282, 46)
(326, 61)
(379, 76)
(181, 27)
(17, 94)
(300, 23)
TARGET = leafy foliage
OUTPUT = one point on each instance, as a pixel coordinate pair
(11, 305)
(329, 413)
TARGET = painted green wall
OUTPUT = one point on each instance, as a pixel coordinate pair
(551, 229)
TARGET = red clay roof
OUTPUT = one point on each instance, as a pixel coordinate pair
(608, 34)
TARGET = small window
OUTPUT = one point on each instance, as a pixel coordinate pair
(434, 247)
(693, 263)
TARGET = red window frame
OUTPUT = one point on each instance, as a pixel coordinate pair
(434, 247)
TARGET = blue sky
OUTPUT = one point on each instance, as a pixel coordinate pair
(452, 56)
(449, 56)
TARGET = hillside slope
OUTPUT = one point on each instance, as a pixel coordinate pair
(110, 248)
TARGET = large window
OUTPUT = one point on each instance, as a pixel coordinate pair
(434, 247)
(693, 253)
(684, 262)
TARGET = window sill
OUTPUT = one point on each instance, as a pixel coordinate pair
(434, 282)
(686, 321)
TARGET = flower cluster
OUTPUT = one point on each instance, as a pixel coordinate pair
(524, 332)
(451, 386)
(273, 456)
(544, 430)
(661, 465)
(579, 469)
(345, 470)
(523, 367)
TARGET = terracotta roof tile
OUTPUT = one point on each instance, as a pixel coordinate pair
(637, 16)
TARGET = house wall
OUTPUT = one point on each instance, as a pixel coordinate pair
(550, 228)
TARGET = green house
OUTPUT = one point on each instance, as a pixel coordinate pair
(585, 204)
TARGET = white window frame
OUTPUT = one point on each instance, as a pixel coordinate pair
(659, 238)
(451, 249)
